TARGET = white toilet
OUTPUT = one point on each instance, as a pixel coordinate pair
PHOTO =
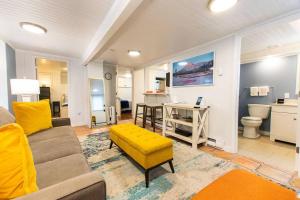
(251, 123)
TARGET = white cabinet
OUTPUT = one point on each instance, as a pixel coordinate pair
(283, 123)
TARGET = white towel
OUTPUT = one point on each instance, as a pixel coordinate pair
(253, 91)
(263, 90)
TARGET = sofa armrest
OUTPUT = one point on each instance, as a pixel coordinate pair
(61, 122)
(90, 186)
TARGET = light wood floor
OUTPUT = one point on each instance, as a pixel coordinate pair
(282, 155)
(246, 161)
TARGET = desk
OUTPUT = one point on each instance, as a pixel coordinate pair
(199, 123)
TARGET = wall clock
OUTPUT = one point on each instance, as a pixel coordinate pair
(108, 76)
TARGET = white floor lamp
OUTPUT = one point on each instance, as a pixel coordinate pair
(26, 88)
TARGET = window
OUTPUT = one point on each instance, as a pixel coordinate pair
(97, 102)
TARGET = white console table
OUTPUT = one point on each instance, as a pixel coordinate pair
(199, 123)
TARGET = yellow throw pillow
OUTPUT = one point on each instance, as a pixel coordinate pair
(17, 171)
(33, 116)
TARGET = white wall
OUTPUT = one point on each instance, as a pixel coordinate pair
(138, 87)
(3, 76)
(95, 70)
(125, 88)
(110, 85)
(77, 84)
(222, 96)
(125, 93)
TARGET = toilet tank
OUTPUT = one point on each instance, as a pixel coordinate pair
(259, 110)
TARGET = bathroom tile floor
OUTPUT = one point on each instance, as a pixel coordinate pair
(249, 155)
(279, 154)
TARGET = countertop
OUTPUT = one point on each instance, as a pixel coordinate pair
(288, 102)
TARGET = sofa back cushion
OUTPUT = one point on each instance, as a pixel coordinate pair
(6, 117)
(17, 170)
(33, 116)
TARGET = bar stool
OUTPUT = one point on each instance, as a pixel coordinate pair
(153, 115)
(140, 115)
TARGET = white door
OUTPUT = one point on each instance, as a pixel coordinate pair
(97, 101)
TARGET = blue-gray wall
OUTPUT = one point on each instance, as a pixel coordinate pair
(11, 72)
(281, 76)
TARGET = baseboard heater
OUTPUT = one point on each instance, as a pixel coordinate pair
(213, 143)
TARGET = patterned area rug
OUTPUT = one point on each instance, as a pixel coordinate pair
(125, 179)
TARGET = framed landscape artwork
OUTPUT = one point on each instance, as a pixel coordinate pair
(194, 71)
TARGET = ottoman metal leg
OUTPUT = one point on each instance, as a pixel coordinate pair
(171, 166)
(147, 178)
(111, 143)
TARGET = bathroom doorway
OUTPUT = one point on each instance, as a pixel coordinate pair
(53, 80)
(268, 104)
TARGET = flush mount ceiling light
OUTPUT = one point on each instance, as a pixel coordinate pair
(33, 28)
(134, 53)
(221, 5)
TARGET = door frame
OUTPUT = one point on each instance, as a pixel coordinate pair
(118, 102)
(297, 91)
(58, 59)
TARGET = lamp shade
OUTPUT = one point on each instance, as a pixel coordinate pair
(24, 87)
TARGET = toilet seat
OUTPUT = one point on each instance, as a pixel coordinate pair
(252, 118)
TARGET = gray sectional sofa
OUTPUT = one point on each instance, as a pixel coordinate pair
(62, 170)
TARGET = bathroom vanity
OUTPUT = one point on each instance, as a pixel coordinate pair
(284, 122)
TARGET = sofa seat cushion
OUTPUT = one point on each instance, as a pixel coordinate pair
(141, 139)
(61, 169)
(47, 150)
(51, 133)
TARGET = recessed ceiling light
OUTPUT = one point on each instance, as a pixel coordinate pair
(134, 53)
(221, 5)
(33, 28)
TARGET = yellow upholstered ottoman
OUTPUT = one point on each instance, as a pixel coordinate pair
(148, 149)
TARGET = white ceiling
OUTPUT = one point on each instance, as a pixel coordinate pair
(270, 37)
(160, 28)
(71, 24)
